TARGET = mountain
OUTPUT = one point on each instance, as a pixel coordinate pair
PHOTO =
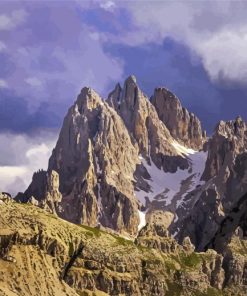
(156, 207)
(126, 161)
(184, 126)
(98, 173)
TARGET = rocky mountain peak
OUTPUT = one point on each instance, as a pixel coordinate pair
(114, 98)
(231, 128)
(129, 96)
(89, 99)
(184, 126)
(117, 158)
(228, 141)
(136, 166)
(131, 80)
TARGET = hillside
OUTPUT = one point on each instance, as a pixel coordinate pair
(40, 252)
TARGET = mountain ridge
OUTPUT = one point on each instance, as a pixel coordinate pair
(128, 160)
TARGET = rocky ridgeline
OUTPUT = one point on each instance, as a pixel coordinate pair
(40, 252)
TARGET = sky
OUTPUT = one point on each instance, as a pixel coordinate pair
(49, 50)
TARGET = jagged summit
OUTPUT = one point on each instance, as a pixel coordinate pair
(88, 98)
(231, 128)
(131, 79)
(183, 125)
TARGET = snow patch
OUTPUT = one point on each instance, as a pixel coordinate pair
(142, 216)
(164, 186)
(198, 161)
(98, 169)
(182, 150)
(175, 233)
(161, 183)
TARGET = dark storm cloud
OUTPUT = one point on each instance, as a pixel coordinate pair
(50, 49)
(47, 54)
(15, 115)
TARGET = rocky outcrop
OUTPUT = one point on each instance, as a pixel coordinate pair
(43, 191)
(5, 198)
(49, 255)
(184, 126)
(37, 187)
(229, 141)
(156, 236)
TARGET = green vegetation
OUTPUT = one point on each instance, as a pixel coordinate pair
(71, 249)
(95, 231)
(122, 241)
(189, 260)
(174, 289)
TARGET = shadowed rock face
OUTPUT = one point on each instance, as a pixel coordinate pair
(225, 185)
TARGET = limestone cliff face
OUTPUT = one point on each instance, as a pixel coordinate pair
(184, 126)
(145, 169)
(228, 141)
(93, 163)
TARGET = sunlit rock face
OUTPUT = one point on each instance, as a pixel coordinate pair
(184, 126)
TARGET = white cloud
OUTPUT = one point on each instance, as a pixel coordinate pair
(12, 20)
(108, 5)
(2, 46)
(94, 36)
(70, 57)
(215, 30)
(224, 55)
(3, 84)
(33, 81)
(21, 156)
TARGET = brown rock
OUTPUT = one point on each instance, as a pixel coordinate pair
(185, 127)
